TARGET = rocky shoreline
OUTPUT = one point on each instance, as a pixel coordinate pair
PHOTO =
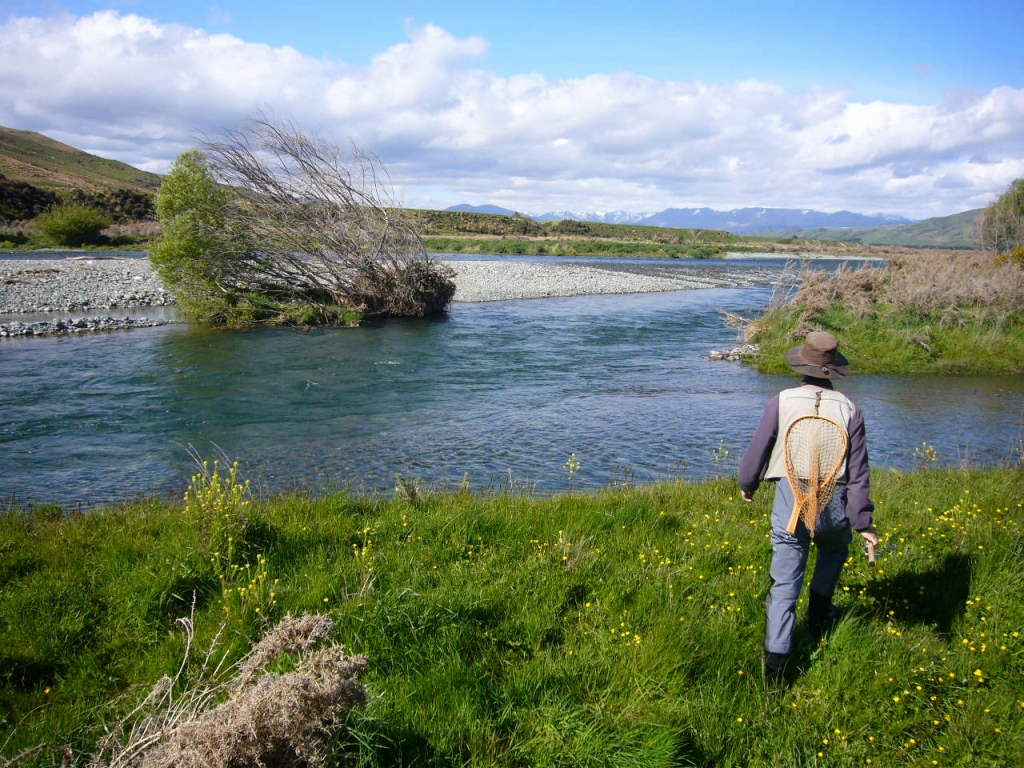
(86, 285)
(76, 325)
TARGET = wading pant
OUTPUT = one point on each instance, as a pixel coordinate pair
(789, 562)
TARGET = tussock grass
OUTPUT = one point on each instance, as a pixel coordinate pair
(621, 627)
(928, 312)
(244, 714)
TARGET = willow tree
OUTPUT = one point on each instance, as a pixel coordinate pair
(1001, 225)
(269, 224)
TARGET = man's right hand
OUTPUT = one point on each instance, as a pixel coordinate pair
(870, 536)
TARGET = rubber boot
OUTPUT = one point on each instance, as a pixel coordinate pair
(775, 669)
(821, 615)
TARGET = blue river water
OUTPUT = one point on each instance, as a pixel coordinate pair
(497, 395)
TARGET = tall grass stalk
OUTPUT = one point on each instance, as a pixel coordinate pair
(622, 627)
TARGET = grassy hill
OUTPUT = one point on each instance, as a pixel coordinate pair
(956, 231)
(43, 162)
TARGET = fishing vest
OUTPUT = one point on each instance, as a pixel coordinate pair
(797, 402)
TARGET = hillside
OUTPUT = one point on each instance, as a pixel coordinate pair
(43, 162)
(956, 231)
(462, 231)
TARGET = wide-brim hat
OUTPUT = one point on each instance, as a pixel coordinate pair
(818, 356)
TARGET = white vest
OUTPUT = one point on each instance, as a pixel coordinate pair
(800, 401)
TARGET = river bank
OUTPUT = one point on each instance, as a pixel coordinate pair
(920, 313)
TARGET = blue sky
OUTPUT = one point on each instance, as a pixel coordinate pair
(910, 108)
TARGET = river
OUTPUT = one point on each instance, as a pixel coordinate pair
(496, 395)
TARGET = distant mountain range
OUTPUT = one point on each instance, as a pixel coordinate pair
(740, 221)
(956, 231)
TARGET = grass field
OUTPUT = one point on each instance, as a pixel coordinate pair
(614, 628)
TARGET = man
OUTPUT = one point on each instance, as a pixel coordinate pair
(819, 361)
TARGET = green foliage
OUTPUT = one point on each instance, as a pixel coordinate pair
(119, 205)
(20, 200)
(13, 239)
(272, 226)
(1001, 227)
(190, 207)
(217, 509)
(615, 628)
(436, 225)
(572, 247)
(71, 225)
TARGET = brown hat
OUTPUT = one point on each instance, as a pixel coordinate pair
(818, 356)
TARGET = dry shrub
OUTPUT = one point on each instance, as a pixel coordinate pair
(936, 281)
(858, 289)
(246, 715)
(958, 287)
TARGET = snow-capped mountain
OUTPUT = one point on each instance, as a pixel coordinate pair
(605, 217)
(739, 220)
(742, 220)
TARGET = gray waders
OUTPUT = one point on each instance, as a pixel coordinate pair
(789, 564)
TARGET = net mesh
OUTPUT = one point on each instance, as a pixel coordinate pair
(815, 453)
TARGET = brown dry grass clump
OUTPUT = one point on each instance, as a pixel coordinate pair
(246, 715)
(955, 286)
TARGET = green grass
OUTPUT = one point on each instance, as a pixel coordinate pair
(614, 628)
(892, 340)
(528, 246)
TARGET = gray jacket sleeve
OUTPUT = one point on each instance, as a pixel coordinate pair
(754, 463)
(859, 507)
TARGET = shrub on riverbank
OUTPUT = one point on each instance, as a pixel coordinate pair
(269, 224)
(71, 225)
(615, 628)
(938, 312)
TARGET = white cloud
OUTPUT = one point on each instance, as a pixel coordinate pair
(127, 87)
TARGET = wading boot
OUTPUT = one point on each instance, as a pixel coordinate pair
(775, 669)
(822, 616)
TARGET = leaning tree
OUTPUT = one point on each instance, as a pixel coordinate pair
(270, 223)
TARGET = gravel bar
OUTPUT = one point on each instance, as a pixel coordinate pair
(505, 280)
(79, 285)
(84, 284)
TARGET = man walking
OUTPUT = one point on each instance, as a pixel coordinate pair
(819, 361)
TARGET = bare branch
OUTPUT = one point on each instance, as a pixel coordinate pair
(307, 223)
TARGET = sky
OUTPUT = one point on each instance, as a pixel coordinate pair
(907, 108)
